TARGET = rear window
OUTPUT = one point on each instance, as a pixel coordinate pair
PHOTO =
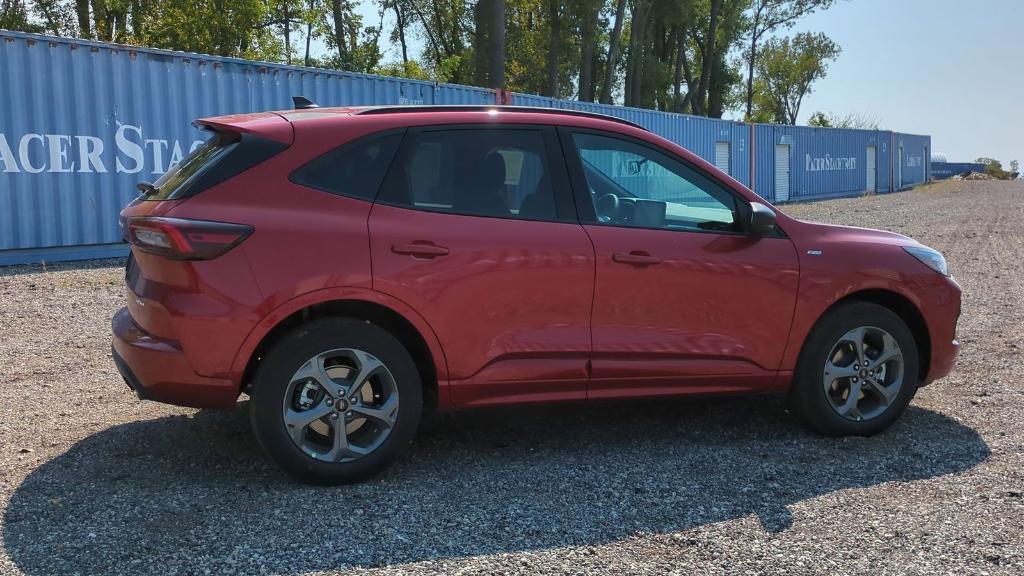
(355, 169)
(175, 183)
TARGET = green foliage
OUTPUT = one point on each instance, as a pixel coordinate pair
(678, 55)
(994, 168)
(787, 70)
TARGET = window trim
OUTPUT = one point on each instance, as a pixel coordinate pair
(345, 147)
(565, 208)
(585, 205)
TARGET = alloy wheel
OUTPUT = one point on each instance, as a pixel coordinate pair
(863, 373)
(340, 405)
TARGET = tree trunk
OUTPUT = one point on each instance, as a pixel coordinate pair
(287, 34)
(82, 12)
(482, 22)
(339, 29)
(677, 76)
(754, 34)
(613, 53)
(637, 41)
(554, 46)
(699, 101)
(309, 33)
(497, 44)
(588, 45)
(400, 22)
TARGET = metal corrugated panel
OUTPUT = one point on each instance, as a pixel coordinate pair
(695, 133)
(66, 98)
(941, 170)
(824, 162)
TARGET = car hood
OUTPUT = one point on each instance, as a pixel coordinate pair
(835, 232)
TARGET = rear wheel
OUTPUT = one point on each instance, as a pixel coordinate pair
(858, 371)
(336, 400)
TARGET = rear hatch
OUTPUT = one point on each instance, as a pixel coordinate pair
(165, 248)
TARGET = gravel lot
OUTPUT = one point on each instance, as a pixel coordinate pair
(93, 481)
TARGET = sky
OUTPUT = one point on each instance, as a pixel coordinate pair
(948, 68)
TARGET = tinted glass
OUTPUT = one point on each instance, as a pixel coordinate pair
(500, 172)
(633, 185)
(175, 182)
(355, 169)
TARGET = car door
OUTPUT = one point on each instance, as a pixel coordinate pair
(475, 229)
(684, 299)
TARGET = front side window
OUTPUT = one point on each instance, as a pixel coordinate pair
(635, 185)
(480, 172)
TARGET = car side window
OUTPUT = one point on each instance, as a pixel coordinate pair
(355, 169)
(635, 185)
(481, 172)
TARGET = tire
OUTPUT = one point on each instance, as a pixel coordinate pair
(282, 392)
(821, 393)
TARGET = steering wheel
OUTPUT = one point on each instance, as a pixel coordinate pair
(607, 207)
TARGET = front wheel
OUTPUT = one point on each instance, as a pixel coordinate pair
(857, 373)
(336, 400)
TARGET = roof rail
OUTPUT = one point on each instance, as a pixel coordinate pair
(483, 108)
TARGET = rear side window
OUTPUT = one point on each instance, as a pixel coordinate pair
(479, 172)
(355, 169)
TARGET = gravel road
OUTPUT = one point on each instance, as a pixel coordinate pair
(93, 481)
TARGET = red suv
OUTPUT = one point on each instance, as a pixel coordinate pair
(351, 268)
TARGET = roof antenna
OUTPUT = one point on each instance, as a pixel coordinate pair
(303, 103)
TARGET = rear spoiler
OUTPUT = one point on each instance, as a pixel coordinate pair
(262, 124)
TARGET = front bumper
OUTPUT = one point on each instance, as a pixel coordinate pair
(157, 369)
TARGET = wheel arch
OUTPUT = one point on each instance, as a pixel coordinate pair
(904, 308)
(410, 329)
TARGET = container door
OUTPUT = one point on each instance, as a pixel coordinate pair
(872, 170)
(781, 172)
(722, 157)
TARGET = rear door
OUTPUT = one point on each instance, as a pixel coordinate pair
(684, 300)
(475, 229)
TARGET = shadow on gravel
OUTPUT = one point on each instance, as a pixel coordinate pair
(182, 494)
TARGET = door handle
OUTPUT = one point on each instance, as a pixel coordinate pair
(420, 249)
(635, 258)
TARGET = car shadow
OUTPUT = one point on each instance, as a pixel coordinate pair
(196, 489)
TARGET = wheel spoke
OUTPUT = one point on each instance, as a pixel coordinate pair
(315, 370)
(849, 408)
(856, 337)
(890, 351)
(296, 420)
(833, 371)
(339, 442)
(385, 414)
(888, 393)
(368, 366)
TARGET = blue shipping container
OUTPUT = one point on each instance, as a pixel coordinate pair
(912, 158)
(82, 122)
(943, 170)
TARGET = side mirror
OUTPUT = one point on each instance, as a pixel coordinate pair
(762, 220)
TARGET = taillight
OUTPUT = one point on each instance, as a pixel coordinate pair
(183, 239)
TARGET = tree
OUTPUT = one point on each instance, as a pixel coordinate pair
(14, 15)
(859, 120)
(786, 72)
(766, 17)
(613, 53)
(994, 168)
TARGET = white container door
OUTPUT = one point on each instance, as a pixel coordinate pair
(723, 157)
(872, 154)
(781, 172)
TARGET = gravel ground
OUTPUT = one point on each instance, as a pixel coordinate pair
(93, 481)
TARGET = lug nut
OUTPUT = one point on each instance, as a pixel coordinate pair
(348, 414)
(334, 416)
(330, 402)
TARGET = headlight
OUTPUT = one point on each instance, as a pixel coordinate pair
(930, 258)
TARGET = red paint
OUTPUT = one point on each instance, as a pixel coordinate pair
(511, 311)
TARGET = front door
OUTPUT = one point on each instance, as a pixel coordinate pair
(474, 229)
(684, 300)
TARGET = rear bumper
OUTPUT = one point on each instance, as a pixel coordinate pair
(157, 369)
